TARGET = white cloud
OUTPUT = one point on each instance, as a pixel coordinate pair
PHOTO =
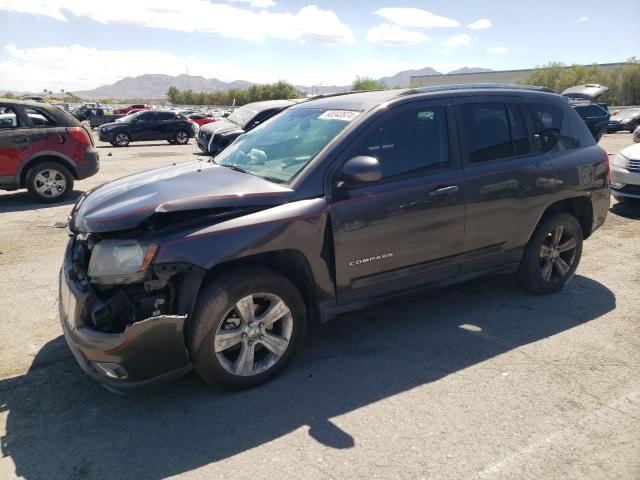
(32, 69)
(257, 3)
(480, 24)
(415, 17)
(583, 19)
(457, 40)
(395, 36)
(497, 49)
(310, 23)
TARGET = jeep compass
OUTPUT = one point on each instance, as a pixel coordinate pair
(329, 206)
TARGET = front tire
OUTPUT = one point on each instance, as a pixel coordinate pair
(49, 182)
(552, 255)
(247, 325)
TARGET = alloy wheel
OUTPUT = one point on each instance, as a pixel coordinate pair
(50, 183)
(254, 335)
(122, 140)
(557, 254)
(182, 137)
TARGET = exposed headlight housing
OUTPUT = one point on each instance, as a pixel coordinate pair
(120, 261)
(620, 160)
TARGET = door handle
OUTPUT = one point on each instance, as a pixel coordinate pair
(444, 190)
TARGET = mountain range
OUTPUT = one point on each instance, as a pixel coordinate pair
(150, 86)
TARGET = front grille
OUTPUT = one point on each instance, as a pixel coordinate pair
(633, 165)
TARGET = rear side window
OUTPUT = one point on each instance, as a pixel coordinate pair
(39, 118)
(166, 115)
(493, 130)
(559, 129)
(410, 141)
(9, 118)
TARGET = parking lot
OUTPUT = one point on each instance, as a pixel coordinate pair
(480, 380)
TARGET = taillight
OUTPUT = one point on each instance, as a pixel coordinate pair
(607, 163)
(81, 135)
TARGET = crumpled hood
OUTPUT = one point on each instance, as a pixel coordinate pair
(125, 203)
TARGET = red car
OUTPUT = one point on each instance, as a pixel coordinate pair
(126, 110)
(43, 149)
(202, 118)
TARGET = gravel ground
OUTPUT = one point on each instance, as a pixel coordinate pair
(480, 380)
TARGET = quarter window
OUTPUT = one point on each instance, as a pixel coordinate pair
(559, 128)
(9, 118)
(410, 141)
(39, 118)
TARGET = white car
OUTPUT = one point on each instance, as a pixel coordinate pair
(625, 175)
(636, 134)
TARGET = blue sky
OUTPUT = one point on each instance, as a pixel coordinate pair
(81, 44)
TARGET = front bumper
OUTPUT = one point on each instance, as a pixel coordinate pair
(616, 127)
(630, 182)
(146, 353)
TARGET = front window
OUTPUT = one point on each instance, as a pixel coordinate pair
(280, 148)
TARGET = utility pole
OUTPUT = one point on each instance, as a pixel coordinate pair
(188, 81)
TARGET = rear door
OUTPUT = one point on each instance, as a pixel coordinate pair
(146, 128)
(167, 125)
(406, 229)
(508, 183)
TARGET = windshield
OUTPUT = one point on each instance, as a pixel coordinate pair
(242, 115)
(280, 148)
(629, 113)
(130, 116)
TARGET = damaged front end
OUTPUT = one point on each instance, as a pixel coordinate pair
(125, 327)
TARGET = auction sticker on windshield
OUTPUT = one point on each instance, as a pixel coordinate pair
(345, 115)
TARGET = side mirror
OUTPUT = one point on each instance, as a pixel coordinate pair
(361, 169)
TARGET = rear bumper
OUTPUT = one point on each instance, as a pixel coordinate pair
(146, 353)
(90, 166)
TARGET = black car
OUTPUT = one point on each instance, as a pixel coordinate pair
(329, 206)
(148, 125)
(215, 136)
(627, 119)
(595, 115)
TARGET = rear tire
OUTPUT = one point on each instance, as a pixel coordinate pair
(181, 137)
(552, 254)
(121, 139)
(247, 325)
(49, 182)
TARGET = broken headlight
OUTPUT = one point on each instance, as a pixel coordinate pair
(120, 261)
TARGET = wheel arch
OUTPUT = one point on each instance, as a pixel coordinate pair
(580, 207)
(290, 263)
(41, 157)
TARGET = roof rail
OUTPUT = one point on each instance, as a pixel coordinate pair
(339, 94)
(474, 86)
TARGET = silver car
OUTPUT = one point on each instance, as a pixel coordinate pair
(625, 175)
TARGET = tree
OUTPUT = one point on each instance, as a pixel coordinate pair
(280, 90)
(623, 81)
(367, 83)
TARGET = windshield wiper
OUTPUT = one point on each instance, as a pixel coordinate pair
(236, 168)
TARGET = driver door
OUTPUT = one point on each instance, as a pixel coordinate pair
(406, 229)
